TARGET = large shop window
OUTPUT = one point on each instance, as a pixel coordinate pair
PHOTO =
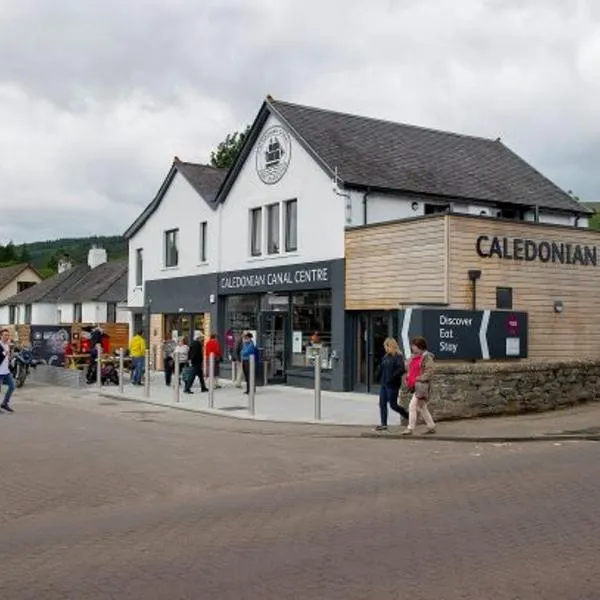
(241, 313)
(256, 231)
(172, 248)
(139, 267)
(273, 228)
(311, 328)
(187, 326)
(291, 225)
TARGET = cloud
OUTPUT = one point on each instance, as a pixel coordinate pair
(97, 97)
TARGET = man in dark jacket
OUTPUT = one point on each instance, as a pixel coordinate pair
(196, 358)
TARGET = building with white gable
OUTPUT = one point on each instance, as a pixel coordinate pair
(294, 242)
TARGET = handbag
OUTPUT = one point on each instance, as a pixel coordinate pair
(422, 390)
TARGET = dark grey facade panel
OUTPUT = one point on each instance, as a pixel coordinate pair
(185, 295)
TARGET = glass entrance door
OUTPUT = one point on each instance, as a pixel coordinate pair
(273, 341)
(371, 330)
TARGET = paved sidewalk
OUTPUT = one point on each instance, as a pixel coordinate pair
(359, 412)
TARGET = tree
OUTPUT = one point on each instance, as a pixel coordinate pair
(595, 221)
(24, 255)
(8, 253)
(226, 153)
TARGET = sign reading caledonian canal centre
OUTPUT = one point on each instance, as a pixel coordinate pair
(536, 250)
(293, 277)
(467, 334)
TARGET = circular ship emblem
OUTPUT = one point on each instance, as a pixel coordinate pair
(273, 152)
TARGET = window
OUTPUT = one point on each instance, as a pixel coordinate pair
(291, 225)
(434, 209)
(256, 231)
(24, 285)
(241, 313)
(311, 326)
(172, 248)
(28, 314)
(504, 298)
(12, 314)
(77, 316)
(203, 240)
(273, 229)
(111, 312)
(139, 267)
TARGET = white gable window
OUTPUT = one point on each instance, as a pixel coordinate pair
(273, 229)
(256, 231)
(203, 241)
(291, 225)
(139, 267)
(171, 248)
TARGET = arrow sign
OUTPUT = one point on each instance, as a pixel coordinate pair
(466, 334)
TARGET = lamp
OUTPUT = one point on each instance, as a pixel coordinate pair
(558, 306)
(414, 205)
(474, 275)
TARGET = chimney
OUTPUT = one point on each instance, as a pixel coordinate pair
(64, 263)
(96, 256)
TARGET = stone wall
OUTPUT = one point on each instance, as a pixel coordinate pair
(482, 389)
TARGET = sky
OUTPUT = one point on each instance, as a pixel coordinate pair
(97, 97)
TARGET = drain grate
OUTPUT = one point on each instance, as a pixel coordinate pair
(142, 412)
(234, 408)
(108, 403)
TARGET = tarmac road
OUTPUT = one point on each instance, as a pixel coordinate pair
(120, 501)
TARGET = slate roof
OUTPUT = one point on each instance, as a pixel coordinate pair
(105, 283)
(393, 157)
(206, 180)
(7, 274)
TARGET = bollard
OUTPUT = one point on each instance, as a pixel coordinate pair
(318, 387)
(121, 369)
(147, 374)
(211, 382)
(176, 375)
(252, 382)
(99, 365)
(233, 371)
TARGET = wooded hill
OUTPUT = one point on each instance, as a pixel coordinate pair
(45, 255)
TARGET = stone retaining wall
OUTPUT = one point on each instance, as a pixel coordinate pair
(50, 375)
(482, 389)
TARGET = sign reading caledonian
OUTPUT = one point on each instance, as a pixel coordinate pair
(301, 276)
(532, 250)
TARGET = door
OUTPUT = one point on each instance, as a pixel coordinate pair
(273, 341)
(371, 330)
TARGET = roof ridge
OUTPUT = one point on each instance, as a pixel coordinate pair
(178, 161)
(274, 102)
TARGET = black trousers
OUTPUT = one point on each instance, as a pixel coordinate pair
(246, 369)
(198, 372)
(169, 369)
(389, 396)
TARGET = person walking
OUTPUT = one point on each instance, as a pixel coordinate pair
(137, 351)
(248, 349)
(168, 362)
(5, 374)
(390, 374)
(213, 347)
(237, 361)
(196, 359)
(420, 373)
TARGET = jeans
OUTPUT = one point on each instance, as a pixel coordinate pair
(197, 373)
(137, 365)
(389, 395)
(10, 384)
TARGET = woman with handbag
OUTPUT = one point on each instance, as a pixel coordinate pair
(418, 380)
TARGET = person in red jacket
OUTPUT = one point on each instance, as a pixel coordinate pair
(213, 347)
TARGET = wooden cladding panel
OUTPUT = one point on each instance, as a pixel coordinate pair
(395, 264)
(536, 286)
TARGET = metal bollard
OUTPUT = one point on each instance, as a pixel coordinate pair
(99, 365)
(252, 381)
(318, 387)
(147, 374)
(211, 381)
(121, 369)
(233, 371)
(176, 375)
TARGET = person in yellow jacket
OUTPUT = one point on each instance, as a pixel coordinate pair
(137, 351)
